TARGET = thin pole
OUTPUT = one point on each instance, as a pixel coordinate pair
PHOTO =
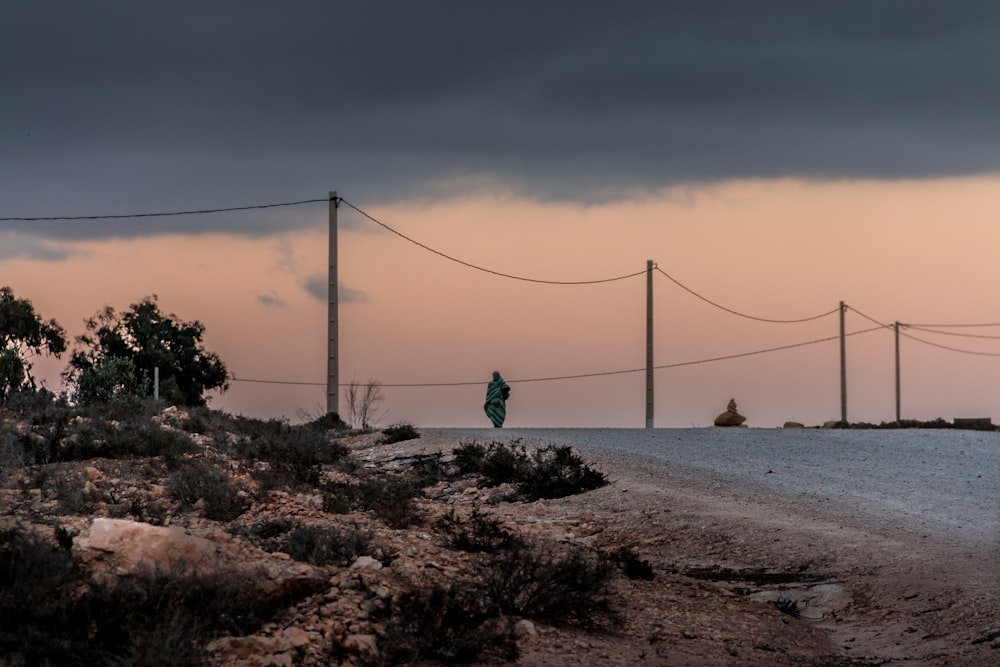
(843, 367)
(896, 327)
(333, 361)
(649, 343)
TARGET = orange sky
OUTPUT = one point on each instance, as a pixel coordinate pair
(909, 251)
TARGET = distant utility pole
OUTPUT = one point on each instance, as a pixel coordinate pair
(896, 327)
(843, 367)
(649, 343)
(333, 361)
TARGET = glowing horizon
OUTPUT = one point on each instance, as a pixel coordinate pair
(914, 251)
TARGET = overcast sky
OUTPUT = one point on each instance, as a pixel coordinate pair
(114, 106)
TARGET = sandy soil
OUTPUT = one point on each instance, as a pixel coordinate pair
(866, 593)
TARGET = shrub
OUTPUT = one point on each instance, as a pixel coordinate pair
(134, 437)
(35, 616)
(325, 546)
(398, 433)
(550, 472)
(450, 625)
(73, 498)
(497, 463)
(469, 457)
(12, 455)
(295, 455)
(199, 480)
(50, 615)
(388, 497)
(632, 565)
(481, 533)
(428, 470)
(569, 588)
(557, 472)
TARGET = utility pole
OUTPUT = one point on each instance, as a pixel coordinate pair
(649, 343)
(843, 368)
(896, 328)
(333, 360)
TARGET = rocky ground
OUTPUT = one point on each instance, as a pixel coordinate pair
(735, 581)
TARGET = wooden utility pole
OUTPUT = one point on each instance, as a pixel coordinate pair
(333, 360)
(843, 367)
(649, 343)
(896, 327)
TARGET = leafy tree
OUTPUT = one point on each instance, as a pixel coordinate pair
(122, 350)
(23, 334)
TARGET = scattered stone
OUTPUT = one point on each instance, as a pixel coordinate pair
(366, 563)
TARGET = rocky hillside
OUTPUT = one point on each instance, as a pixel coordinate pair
(184, 538)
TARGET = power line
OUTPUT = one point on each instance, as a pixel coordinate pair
(871, 319)
(582, 375)
(948, 333)
(734, 312)
(953, 326)
(483, 269)
(950, 349)
(772, 349)
(233, 378)
(166, 214)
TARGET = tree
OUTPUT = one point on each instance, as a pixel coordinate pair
(23, 334)
(121, 352)
(363, 401)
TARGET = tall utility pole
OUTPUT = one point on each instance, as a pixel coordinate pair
(843, 367)
(896, 327)
(649, 343)
(333, 360)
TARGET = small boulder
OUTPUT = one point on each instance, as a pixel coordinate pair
(794, 425)
(728, 418)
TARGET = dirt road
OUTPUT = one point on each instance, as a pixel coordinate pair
(873, 579)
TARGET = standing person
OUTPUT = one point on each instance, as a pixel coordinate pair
(496, 400)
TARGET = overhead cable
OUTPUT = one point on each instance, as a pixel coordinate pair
(166, 214)
(870, 319)
(950, 349)
(480, 268)
(582, 375)
(954, 326)
(948, 333)
(734, 312)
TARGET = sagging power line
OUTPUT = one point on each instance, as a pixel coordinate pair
(580, 376)
(122, 216)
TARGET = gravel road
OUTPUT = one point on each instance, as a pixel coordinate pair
(945, 483)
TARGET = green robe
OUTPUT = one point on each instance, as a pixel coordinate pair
(496, 405)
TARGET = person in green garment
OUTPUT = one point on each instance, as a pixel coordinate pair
(496, 400)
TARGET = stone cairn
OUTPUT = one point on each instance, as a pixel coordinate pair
(731, 417)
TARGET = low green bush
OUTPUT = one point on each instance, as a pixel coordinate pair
(549, 472)
(398, 433)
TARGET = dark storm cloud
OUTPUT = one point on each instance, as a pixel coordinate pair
(21, 246)
(114, 107)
